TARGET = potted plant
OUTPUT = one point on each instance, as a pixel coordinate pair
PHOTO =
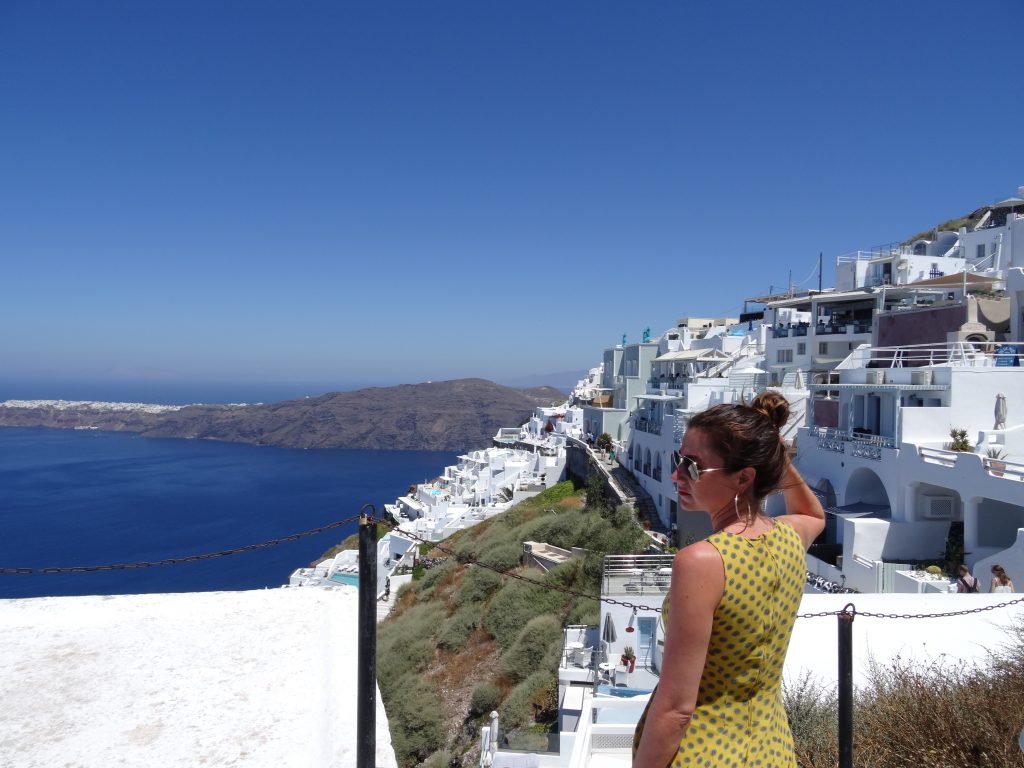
(996, 463)
(959, 441)
(628, 658)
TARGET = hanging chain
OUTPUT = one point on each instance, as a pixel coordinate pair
(462, 560)
(188, 559)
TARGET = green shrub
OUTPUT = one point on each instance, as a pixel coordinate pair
(515, 604)
(477, 585)
(812, 713)
(436, 574)
(414, 658)
(597, 498)
(584, 612)
(440, 759)
(934, 570)
(504, 557)
(537, 647)
(458, 629)
(405, 643)
(417, 720)
(528, 702)
(485, 699)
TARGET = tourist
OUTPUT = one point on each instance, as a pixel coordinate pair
(1000, 581)
(733, 597)
(965, 582)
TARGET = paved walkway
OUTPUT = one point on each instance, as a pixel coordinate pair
(384, 607)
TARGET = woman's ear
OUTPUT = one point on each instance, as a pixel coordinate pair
(746, 478)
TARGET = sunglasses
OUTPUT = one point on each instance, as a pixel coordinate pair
(689, 465)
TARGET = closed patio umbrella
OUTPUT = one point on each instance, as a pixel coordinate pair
(1000, 411)
(608, 633)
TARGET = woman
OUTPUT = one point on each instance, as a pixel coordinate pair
(965, 581)
(734, 596)
(1000, 581)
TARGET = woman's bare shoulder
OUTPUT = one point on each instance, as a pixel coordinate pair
(700, 555)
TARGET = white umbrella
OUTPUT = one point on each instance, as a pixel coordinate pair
(1000, 411)
(798, 379)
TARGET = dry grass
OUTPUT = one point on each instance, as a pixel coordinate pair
(456, 675)
(939, 716)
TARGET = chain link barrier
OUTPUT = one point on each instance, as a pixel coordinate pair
(462, 560)
(179, 560)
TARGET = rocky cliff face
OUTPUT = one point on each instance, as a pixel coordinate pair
(436, 416)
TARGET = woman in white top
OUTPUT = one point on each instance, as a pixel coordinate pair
(1000, 581)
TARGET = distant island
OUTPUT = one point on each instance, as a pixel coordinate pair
(436, 416)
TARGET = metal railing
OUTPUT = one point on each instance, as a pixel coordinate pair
(860, 444)
(957, 353)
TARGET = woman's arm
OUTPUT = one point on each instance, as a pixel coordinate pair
(698, 582)
(803, 510)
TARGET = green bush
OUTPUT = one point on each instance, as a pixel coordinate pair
(417, 719)
(414, 658)
(504, 557)
(515, 604)
(405, 643)
(440, 759)
(812, 713)
(485, 699)
(458, 629)
(597, 498)
(536, 648)
(477, 585)
(436, 574)
(584, 612)
(528, 702)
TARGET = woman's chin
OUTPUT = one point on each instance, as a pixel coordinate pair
(687, 503)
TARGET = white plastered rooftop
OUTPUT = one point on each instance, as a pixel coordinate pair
(243, 679)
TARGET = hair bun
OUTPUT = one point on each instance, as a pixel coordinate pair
(774, 407)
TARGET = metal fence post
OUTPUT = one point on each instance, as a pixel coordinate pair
(846, 685)
(366, 709)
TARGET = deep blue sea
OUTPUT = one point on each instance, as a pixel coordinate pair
(71, 498)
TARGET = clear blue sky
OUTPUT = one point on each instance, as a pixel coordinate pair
(401, 191)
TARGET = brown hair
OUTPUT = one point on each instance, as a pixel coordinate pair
(1000, 574)
(748, 436)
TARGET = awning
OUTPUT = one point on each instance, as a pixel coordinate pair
(953, 280)
(828, 360)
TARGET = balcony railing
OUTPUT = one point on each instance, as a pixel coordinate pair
(859, 444)
(957, 354)
(647, 424)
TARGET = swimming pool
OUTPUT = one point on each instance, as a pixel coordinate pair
(352, 579)
(622, 693)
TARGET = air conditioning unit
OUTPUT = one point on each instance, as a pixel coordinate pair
(875, 376)
(936, 507)
(921, 377)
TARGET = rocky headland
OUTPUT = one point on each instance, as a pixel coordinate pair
(435, 416)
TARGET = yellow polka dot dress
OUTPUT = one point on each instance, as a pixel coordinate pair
(739, 719)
